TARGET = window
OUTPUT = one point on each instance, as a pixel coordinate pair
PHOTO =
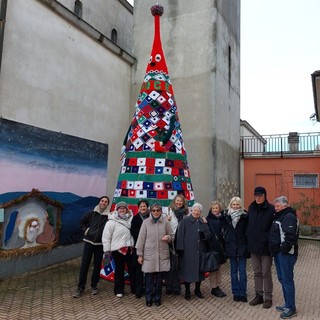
(306, 180)
(78, 8)
(114, 36)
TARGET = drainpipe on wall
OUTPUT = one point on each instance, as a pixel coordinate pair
(3, 11)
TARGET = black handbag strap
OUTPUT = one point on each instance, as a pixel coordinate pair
(172, 249)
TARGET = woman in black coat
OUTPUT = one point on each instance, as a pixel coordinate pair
(143, 213)
(191, 236)
(236, 248)
(216, 223)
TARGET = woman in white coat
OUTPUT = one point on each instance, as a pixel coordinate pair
(118, 242)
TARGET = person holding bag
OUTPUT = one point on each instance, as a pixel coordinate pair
(236, 248)
(192, 233)
(178, 210)
(216, 222)
(138, 276)
(118, 242)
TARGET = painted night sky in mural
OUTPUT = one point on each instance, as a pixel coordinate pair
(32, 157)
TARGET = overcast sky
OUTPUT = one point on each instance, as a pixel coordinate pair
(280, 48)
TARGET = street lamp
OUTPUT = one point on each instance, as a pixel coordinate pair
(316, 92)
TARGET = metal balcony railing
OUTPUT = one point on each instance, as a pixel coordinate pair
(280, 144)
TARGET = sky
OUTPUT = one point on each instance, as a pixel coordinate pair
(280, 49)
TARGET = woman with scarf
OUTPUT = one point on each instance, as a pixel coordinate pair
(143, 213)
(216, 222)
(236, 248)
(118, 242)
(178, 209)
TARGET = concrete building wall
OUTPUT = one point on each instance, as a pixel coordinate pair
(107, 15)
(202, 48)
(54, 76)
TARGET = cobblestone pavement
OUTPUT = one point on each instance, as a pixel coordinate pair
(47, 294)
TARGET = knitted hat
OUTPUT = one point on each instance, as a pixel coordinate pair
(154, 162)
(121, 204)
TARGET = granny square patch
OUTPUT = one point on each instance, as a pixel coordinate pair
(142, 193)
(148, 185)
(160, 162)
(141, 161)
(138, 185)
(154, 95)
(158, 170)
(142, 170)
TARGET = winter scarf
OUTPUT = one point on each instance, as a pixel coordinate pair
(180, 213)
(145, 215)
(235, 216)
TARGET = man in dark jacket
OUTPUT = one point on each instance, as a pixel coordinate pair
(260, 217)
(283, 244)
(92, 225)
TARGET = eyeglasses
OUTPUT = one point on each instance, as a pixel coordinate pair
(156, 210)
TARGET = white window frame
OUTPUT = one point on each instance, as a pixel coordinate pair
(306, 175)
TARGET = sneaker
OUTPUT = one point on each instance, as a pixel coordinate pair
(236, 298)
(94, 291)
(78, 293)
(288, 314)
(119, 295)
(280, 308)
(267, 304)
(256, 300)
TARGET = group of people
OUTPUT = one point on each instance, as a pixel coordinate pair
(263, 233)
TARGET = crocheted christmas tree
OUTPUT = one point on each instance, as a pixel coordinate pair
(154, 160)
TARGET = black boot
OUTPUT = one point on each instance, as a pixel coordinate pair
(187, 294)
(197, 291)
(223, 294)
(216, 292)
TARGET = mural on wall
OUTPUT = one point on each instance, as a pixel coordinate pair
(30, 221)
(64, 168)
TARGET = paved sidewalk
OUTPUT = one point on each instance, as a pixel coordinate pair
(47, 294)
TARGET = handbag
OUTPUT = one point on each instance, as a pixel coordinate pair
(174, 258)
(209, 260)
(222, 253)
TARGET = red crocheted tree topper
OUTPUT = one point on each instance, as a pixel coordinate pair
(157, 62)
